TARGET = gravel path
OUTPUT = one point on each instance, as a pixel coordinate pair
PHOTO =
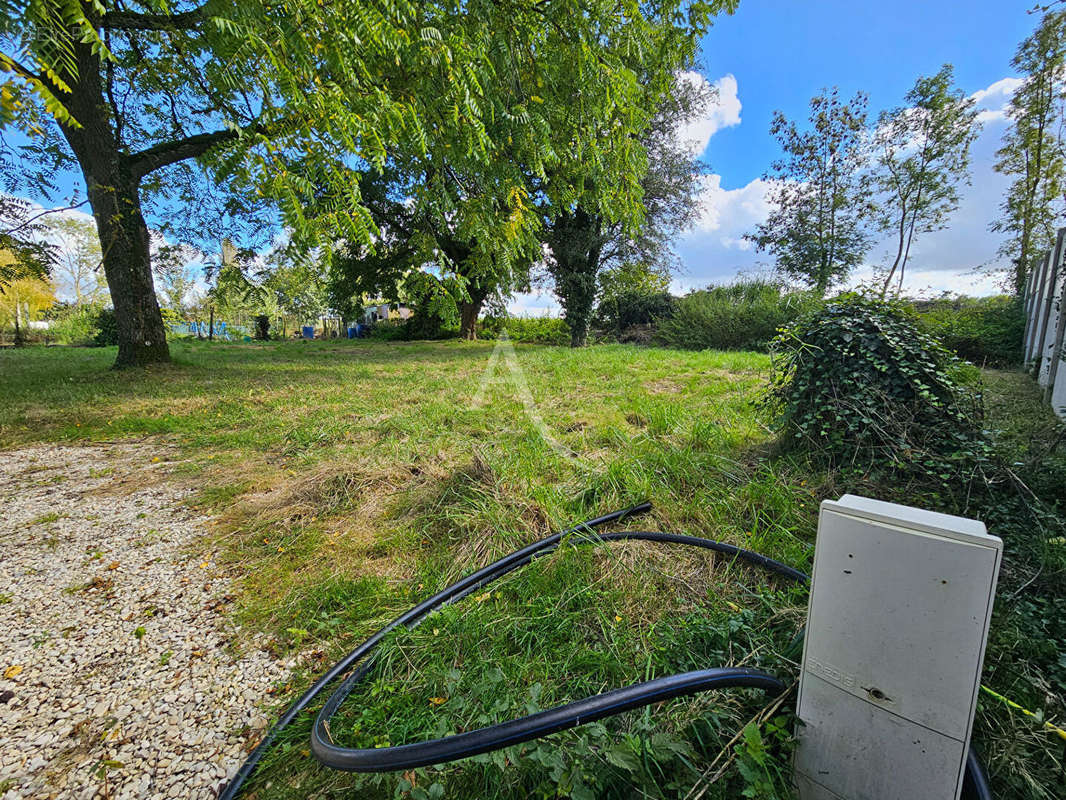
(119, 674)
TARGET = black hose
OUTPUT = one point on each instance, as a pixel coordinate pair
(524, 729)
(504, 734)
(975, 781)
(455, 592)
(515, 731)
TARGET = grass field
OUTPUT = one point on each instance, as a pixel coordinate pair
(352, 479)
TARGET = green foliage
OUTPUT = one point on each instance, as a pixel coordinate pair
(745, 315)
(987, 331)
(922, 153)
(106, 326)
(816, 230)
(390, 330)
(621, 311)
(762, 756)
(589, 235)
(532, 330)
(262, 327)
(292, 102)
(22, 253)
(1033, 154)
(862, 386)
(73, 324)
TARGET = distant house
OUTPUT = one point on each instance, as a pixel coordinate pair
(383, 312)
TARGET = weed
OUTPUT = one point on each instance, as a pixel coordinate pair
(45, 519)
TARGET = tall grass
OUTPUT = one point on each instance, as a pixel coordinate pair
(739, 316)
(351, 479)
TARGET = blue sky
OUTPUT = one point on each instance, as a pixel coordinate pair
(782, 52)
(775, 54)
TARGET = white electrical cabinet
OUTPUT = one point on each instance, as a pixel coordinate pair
(899, 610)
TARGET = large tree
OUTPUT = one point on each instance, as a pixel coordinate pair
(425, 248)
(1033, 153)
(921, 155)
(585, 239)
(279, 99)
(816, 231)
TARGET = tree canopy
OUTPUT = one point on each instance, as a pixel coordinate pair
(281, 103)
(816, 230)
(921, 154)
(1033, 154)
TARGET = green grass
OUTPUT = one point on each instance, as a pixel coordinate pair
(352, 479)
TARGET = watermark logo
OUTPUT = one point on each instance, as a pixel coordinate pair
(504, 351)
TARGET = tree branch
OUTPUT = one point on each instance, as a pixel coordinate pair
(26, 223)
(166, 153)
(131, 21)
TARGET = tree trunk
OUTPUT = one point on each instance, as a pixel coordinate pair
(469, 310)
(114, 195)
(18, 331)
(577, 246)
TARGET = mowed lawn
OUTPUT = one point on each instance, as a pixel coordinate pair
(351, 479)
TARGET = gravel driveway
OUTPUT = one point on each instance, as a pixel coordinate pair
(119, 673)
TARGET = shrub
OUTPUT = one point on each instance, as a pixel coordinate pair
(106, 328)
(985, 330)
(388, 331)
(620, 312)
(863, 386)
(745, 315)
(71, 324)
(262, 327)
(533, 330)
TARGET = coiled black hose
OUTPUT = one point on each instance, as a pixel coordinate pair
(457, 591)
(534, 726)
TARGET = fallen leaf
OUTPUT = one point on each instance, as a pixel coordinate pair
(438, 700)
(12, 671)
(113, 565)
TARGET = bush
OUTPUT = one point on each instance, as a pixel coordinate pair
(985, 330)
(106, 328)
(388, 331)
(862, 385)
(533, 330)
(71, 324)
(741, 316)
(618, 313)
(262, 327)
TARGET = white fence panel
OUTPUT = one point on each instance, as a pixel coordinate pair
(1046, 325)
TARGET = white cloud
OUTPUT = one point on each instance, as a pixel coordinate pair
(931, 283)
(534, 305)
(724, 112)
(737, 244)
(994, 102)
(732, 211)
(1001, 89)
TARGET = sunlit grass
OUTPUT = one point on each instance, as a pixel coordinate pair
(351, 479)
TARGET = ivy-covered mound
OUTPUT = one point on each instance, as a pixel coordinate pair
(863, 387)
